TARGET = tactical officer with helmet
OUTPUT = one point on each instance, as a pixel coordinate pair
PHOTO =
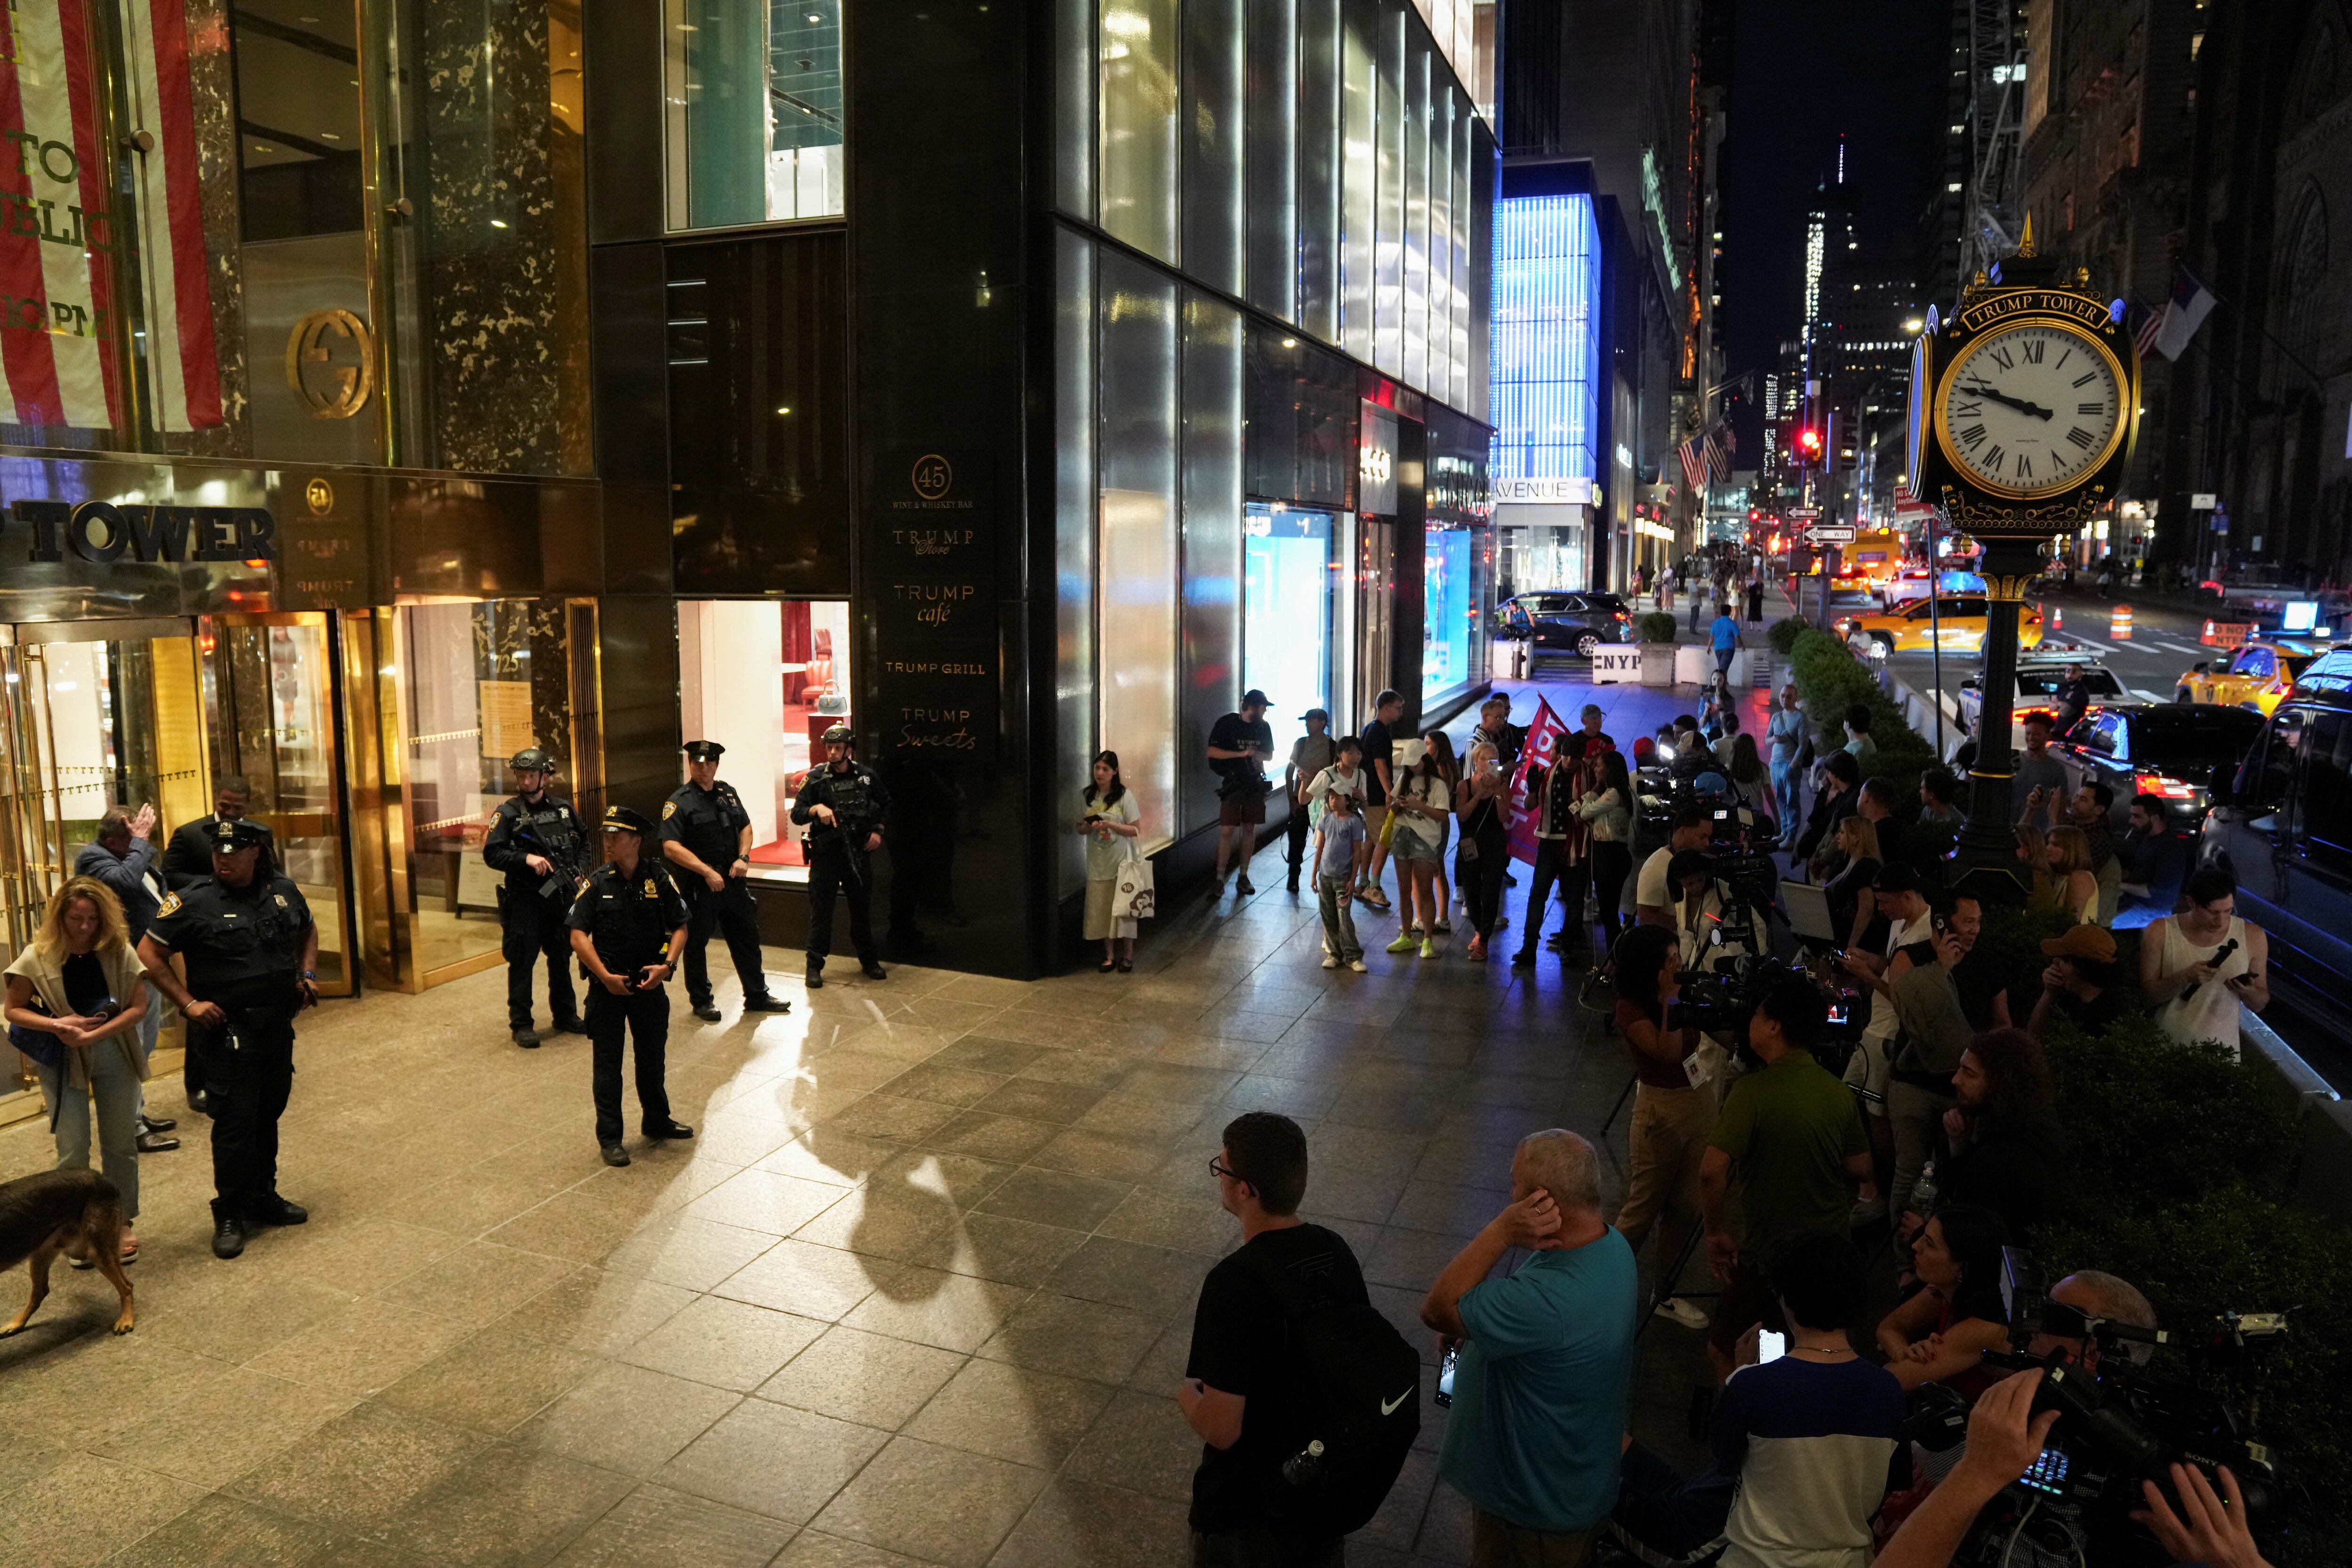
(252, 954)
(842, 805)
(536, 838)
(706, 833)
(627, 926)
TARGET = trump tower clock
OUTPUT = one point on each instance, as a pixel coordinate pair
(2024, 404)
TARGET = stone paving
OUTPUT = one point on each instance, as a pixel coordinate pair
(920, 1292)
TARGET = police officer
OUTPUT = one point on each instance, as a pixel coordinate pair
(706, 833)
(189, 855)
(627, 925)
(252, 954)
(537, 840)
(842, 804)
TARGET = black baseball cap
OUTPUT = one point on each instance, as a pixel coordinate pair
(1255, 698)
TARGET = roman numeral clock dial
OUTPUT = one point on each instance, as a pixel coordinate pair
(2029, 411)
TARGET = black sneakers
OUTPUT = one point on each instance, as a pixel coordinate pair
(668, 1130)
(527, 1038)
(873, 971)
(616, 1155)
(228, 1237)
(276, 1210)
(766, 1004)
(815, 981)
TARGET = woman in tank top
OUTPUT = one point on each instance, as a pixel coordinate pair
(2197, 999)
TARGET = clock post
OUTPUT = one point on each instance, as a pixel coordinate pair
(2024, 407)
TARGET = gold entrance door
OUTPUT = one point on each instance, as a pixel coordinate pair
(269, 698)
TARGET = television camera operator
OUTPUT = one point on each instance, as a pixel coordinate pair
(1716, 923)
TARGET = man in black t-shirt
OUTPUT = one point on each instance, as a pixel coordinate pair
(1235, 1374)
(1240, 745)
(1379, 768)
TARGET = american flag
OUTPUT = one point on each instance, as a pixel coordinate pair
(2146, 322)
(60, 322)
(1718, 458)
(1694, 464)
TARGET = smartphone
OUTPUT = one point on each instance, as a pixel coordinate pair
(1769, 1346)
(1445, 1376)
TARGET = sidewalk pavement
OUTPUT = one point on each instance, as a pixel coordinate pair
(922, 1285)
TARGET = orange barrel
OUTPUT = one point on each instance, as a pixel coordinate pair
(2119, 624)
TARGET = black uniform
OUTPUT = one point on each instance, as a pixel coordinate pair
(243, 948)
(710, 823)
(629, 920)
(532, 906)
(838, 855)
(189, 855)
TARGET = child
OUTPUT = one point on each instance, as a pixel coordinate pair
(1346, 776)
(1339, 846)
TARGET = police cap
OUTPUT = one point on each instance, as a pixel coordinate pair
(840, 733)
(704, 750)
(225, 838)
(531, 759)
(621, 820)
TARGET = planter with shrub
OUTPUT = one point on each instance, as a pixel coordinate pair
(1656, 629)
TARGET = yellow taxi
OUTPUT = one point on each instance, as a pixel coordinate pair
(2256, 675)
(1916, 627)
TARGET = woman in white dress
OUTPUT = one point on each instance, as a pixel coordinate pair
(1111, 820)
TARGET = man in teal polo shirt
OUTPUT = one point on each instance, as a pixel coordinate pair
(1546, 1362)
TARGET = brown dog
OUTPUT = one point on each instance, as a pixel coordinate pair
(78, 1213)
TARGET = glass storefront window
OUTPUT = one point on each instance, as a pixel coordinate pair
(765, 679)
(477, 682)
(1447, 611)
(1288, 571)
(1137, 550)
(755, 101)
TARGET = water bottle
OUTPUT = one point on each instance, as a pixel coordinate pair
(1304, 1470)
(1923, 1192)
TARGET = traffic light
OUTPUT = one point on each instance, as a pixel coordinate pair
(1807, 444)
(1753, 514)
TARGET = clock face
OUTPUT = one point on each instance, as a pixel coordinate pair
(2031, 410)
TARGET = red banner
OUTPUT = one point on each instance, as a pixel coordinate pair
(1542, 747)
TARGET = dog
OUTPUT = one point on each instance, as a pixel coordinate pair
(77, 1212)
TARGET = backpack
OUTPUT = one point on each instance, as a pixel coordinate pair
(1355, 1387)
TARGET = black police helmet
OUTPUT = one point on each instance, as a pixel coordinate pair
(531, 759)
(839, 732)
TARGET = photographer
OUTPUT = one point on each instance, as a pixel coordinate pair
(1654, 889)
(1791, 1139)
(1712, 922)
(1673, 1106)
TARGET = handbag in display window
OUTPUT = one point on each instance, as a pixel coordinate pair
(1133, 898)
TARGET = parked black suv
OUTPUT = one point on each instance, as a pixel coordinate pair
(1552, 620)
(2286, 830)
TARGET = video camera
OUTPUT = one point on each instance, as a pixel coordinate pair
(2117, 1423)
(1721, 1001)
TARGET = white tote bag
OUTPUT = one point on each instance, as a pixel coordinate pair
(1133, 898)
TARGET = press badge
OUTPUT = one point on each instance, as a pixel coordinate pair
(1695, 1068)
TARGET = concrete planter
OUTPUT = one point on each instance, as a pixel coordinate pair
(1694, 666)
(1657, 663)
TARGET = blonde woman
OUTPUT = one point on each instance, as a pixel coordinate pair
(78, 982)
(1857, 841)
(2033, 856)
(2069, 854)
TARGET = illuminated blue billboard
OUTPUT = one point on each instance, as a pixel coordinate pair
(1546, 350)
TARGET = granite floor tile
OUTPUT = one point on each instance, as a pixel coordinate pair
(989, 1053)
(814, 1549)
(1076, 1521)
(87, 1508)
(1165, 1219)
(510, 1506)
(362, 1471)
(598, 1312)
(1078, 1339)
(229, 1316)
(690, 1253)
(1038, 1099)
(1011, 1251)
(362, 1347)
(952, 1311)
(1153, 1280)
(1105, 1157)
(1007, 1413)
(478, 1283)
(772, 1459)
(872, 1379)
(1076, 1067)
(762, 1200)
(630, 1419)
(1141, 1443)
(492, 1381)
(230, 1423)
(1056, 1197)
(891, 1119)
(948, 1085)
(934, 1503)
(724, 1343)
(807, 1280)
(220, 1532)
(654, 1527)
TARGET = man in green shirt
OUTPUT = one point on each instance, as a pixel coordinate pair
(1789, 1139)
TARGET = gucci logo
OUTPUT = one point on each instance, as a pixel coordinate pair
(1376, 464)
(333, 390)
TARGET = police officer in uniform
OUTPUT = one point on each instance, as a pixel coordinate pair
(627, 925)
(252, 955)
(706, 833)
(537, 840)
(842, 804)
(188, 858)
